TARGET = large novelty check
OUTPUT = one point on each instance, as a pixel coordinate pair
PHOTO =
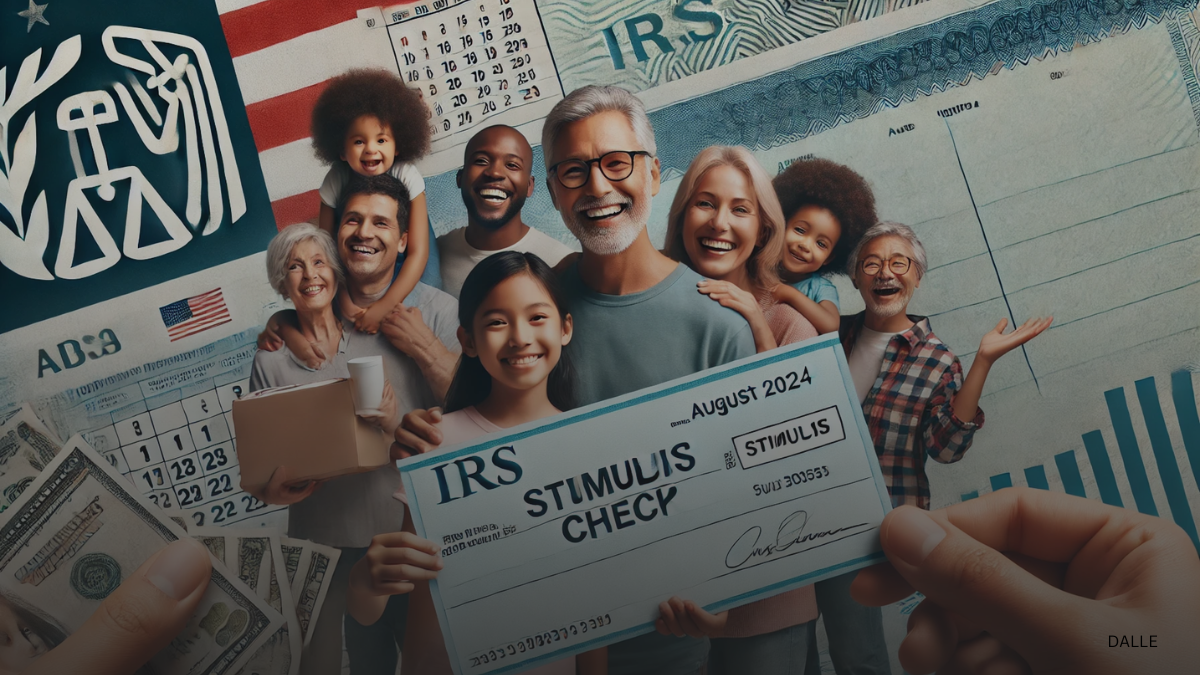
(725, 487)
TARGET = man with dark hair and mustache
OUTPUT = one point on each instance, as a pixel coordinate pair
(911, 385)
(495, 181)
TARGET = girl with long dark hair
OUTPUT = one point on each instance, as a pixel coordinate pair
(515, 368)
(509, 278)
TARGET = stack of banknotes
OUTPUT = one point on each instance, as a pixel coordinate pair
(72, 528)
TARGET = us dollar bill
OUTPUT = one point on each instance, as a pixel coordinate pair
(293, 550)
(27, 446)
(260, 565)
(311, 583)
(78, 531)
(254, 561)
(215, 540)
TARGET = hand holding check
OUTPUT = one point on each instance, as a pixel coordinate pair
(1024, 579)
(417, 433)
(394, 561)
(684, 617)
(722, 487)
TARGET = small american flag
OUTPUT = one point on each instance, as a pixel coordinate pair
(195, 314)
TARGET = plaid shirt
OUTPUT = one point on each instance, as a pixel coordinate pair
(908, 409)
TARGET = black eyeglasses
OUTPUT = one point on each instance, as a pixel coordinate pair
(874, 265)
(616, 166)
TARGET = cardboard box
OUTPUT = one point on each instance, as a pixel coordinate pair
(310, 428)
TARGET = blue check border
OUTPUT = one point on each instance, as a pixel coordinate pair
(828, 341)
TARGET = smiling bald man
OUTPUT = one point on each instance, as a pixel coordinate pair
(495, 181)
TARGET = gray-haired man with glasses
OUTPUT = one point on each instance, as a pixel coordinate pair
(911, 385)
(916, 403)
(639, 320)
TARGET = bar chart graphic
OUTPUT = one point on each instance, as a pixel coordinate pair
(1150, 462)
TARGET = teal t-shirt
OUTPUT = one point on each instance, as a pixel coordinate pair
(818, 288)
(623, 343)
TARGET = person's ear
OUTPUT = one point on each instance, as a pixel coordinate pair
(468, 343)
(655, 177)
(402, 244)
(568, 329)
(529, 192)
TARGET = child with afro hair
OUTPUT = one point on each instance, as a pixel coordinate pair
(370, 122)
(828, 207)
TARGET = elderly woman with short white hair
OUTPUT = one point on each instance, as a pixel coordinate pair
(303, 265)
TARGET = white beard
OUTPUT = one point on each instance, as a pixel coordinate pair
(893, 307)
(608, 240)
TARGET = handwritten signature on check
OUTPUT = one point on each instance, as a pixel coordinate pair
(791, 532)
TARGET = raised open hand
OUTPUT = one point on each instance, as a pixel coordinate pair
(997, 343)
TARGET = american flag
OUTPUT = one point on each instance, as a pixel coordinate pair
(195, 314)
(284, 52)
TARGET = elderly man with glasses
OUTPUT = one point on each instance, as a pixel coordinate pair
(639, 319)
(914, 397)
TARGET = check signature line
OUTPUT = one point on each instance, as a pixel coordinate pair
(791, 532)
(743, 568)
(635, 548)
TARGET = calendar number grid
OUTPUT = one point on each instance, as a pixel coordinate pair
(472, 59)
(183, 455)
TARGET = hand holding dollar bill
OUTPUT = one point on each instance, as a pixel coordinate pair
(257, 557)
(78, 537)
(159, 597)
(138, 620)
(157, 600)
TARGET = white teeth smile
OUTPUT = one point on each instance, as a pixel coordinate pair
(604, 211)
(523, 360)
(312, 290)
(492, 194)
(717, 244)
(363, 249)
